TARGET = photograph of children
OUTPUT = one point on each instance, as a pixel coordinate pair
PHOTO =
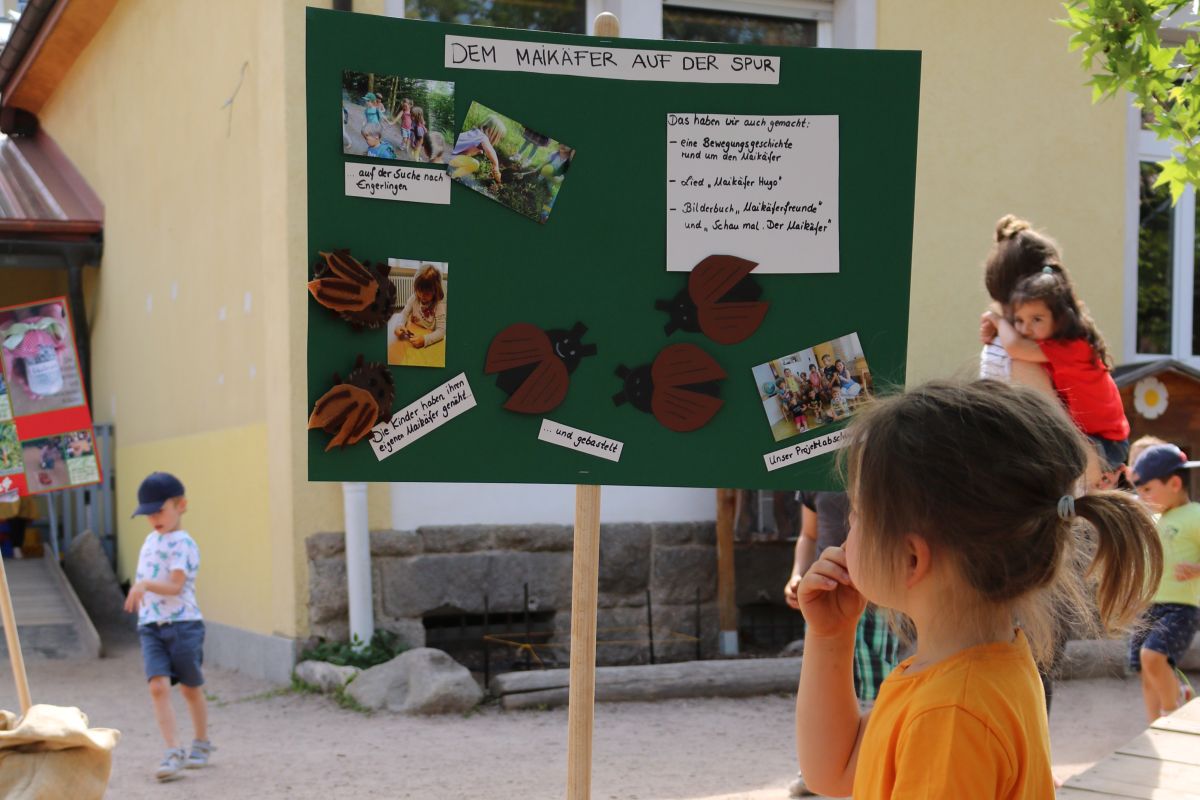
(817, 386)
(38, 354)
(398, 118)
(514, 165)
(10, 450)
(416, 332)
(46, 464)
(82, 466)
(5, 405)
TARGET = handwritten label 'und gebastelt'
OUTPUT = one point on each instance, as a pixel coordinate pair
(582, 441)
(761, 188)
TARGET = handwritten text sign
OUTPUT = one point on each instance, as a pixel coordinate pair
(762, 188)
(419, 418)
(465, 52)
(804, 451)
(385, 182)
(584, 442)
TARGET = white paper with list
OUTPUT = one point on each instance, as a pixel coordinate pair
(763, 188)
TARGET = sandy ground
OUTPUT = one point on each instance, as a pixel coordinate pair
(276, 744)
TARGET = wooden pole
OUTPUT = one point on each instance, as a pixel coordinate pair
(726, 598)
(14, 642)
(585, 571)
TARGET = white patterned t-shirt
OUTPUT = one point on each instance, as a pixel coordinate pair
(161, 555)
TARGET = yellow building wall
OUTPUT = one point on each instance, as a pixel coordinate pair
(1006, 125)
(227, 518)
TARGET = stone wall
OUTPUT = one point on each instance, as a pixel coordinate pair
(450, 569)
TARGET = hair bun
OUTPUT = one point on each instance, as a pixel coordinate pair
(1009, 226)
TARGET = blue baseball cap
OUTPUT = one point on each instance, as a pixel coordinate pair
(1159, 463)
(156, 489)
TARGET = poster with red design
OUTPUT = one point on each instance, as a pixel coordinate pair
(46, 438)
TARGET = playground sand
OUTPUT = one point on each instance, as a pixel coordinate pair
(278, 744)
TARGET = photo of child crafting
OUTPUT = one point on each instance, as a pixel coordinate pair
(396, 118)
(509, 162)
(814, 387)
(416, 332)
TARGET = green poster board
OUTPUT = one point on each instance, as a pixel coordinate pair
(600, 258)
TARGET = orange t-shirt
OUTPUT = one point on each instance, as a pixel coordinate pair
(973, 726)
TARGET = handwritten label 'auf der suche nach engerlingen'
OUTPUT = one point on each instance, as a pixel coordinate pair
(764, 188)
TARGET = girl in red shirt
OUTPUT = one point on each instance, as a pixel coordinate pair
(1051, 326)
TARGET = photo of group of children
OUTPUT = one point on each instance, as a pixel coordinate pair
(396, 118)
(39, 360)
(810, 388)
(416, 332)
(10, 450)
(514, 165)
(56, 462)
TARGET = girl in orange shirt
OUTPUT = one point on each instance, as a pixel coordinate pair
(965, 521)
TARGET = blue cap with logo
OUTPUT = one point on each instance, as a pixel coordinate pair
(156, 489)
(1159, 463)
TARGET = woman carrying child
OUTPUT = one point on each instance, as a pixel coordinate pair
(964, 520)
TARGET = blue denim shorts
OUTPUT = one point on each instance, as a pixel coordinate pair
(1166, 628)
(174, 649)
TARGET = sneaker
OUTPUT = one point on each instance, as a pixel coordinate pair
(201, 750)
(798, 788)
(1186, 692)
(171, 764)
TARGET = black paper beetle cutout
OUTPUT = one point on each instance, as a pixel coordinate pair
(680, 388)
(535, 366)
(721, 301)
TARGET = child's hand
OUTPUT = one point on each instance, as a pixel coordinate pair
(418, 341)
(133, 600)
(988, 329)
(789, 591)
(828, 600)
(1186, 572)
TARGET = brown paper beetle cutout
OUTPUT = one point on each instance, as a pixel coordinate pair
(535, 366)
(721, 301)
(351, 408)
(680, 388)
(360, 293)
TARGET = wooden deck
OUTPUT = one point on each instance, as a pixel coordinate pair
(1162, 763)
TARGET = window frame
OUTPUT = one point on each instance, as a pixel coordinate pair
(819, 10)
(1144, 146)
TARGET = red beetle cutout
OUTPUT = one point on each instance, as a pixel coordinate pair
(680, 388)
(720, 301)
(534, 365)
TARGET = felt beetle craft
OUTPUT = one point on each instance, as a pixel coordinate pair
(721, 300)
(361, 294)
(534, 366)
(352, 407)
(680, 387)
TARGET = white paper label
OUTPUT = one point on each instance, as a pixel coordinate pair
(761, 188)
(466, 52)
(409, 184)
(584, 442)
(804, 451)
(423, 416)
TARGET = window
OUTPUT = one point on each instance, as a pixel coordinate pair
(707, 25)
(562, 16)
(1160, 314)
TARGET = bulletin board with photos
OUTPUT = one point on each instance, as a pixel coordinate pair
(47, 441)
(675, 264)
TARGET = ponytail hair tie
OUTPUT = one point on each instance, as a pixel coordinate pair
(1066, 507)
(1048, 269)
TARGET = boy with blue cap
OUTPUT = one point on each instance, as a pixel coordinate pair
(1160, 474)
(170, 626)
